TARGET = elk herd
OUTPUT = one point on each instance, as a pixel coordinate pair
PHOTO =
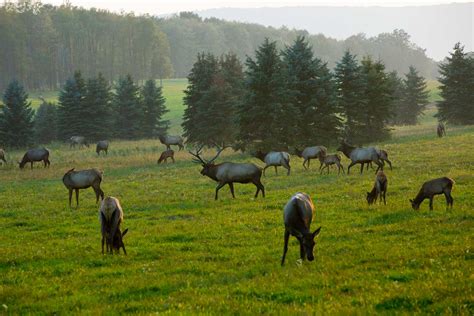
(298, 212)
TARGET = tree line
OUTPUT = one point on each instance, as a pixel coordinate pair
(42, 45)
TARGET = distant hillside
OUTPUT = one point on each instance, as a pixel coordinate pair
(436, 28)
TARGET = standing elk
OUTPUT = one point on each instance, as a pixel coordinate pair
(83, 179)
(102, 145)
(2, 155)
(111, 217)
(297, 217)
(165, 155)
(379, 189)
(32, 155)
(441, 130)
(383, 158)
(229, 172)
(434, 187)
(78, 140)
(274, 158)
(360, 155)
(315, 152)
(334, 159)
(169, 140)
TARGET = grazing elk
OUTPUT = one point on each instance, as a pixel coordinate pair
(229, 172)
(379, 189)
(165, 155)
(315, 152)
(78, 140)
(274, 158)
(434, 187)
(102, 145)
(441, 130)
(360, 155)
(334, 159)
(111, 216)
(83, 179)
(169, 140)
(32, 155)
(297, 217)
(2, 155)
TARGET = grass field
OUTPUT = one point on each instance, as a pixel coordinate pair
(190, 254)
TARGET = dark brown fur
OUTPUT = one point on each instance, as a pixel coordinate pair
(434, 187)
(379, 189)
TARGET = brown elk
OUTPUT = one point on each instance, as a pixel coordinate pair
(229, 172)
(83, 179)
(111, 217)
(2, 155)
(360, 155)
(434, 187)
(165, 155)
(311, 153)
(379, 189)
(32, 155)
(297, 217)
(102, 145)
(274, 158)
(326, 161)
(441, 130)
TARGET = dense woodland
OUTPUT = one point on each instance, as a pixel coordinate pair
(42, 45)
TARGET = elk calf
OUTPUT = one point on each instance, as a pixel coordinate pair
(329, 160)
(434, 187)
(32, 155)
(165, 155)
(297, 217)
(379, 189)
(83, 179)
(111, 217)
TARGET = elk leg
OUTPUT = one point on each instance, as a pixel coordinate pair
(285, 246)
(276, 170)
(264, 170)
(349, 167)
(304, 165)
(260, 187)
(31, 165)
(103, 240)
(124, 251)
(389, 164)
(219, 186)
(384, 200)
(77, 197)
(302, 252)
(231, 186)
(70, 197)
(289, 169)
(361, 168)
(431, 203)
(309, 159)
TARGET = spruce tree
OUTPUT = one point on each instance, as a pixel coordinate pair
(415, 97)
(95, 113)
(71, 101)
(457, 88)
(311, 87)
(128, 110)
(267, 117)
(16, 117)
(153, 105)
(46, 123)
(398, 91)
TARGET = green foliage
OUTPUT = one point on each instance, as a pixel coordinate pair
(16, 117)
(457, 88)
(46, 123)
(128, 109)
(71, 100)
(153, 105)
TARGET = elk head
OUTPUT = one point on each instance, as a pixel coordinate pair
(207, 165)
(308, 243)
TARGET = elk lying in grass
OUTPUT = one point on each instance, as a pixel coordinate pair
(2, 155)
(78, 140)
(102, 145)
(329, 160)
(379, 189)
(441, 130)
(229, 172)
(32, 155)
(111, 217)
(360, 155)
(83, 179)
(434, 187)
(274, 158)
(315, 152)
(165, 155)
(169, 140)
(297, 217)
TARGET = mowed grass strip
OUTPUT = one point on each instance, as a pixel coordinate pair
(188, 253)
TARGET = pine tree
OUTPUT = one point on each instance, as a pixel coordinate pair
(415, 98)
(46, 123)
(153, 104)
(129, 113)
(457, 88)
(267, 117)
(312, 90)
(16, 117)
(95, 113)
(71, 101)
(398, 91)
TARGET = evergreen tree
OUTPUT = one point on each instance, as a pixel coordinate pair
(415, 98)
(398, 91)
(95, 113)
(457, 88)
(312, 90)
(129, 113)
(46, 123)
(71, 101)
(350, 85)
(153, 104)
(16, 117)
(267, 117)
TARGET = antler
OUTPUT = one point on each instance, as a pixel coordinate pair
(219, 150)
(197, 158)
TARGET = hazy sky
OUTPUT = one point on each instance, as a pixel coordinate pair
(165, 7)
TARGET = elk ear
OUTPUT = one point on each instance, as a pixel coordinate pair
(316, 232)
(124, 232)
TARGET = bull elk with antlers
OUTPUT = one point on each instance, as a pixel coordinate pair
(229, 172)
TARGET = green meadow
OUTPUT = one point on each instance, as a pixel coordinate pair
(190, 254)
